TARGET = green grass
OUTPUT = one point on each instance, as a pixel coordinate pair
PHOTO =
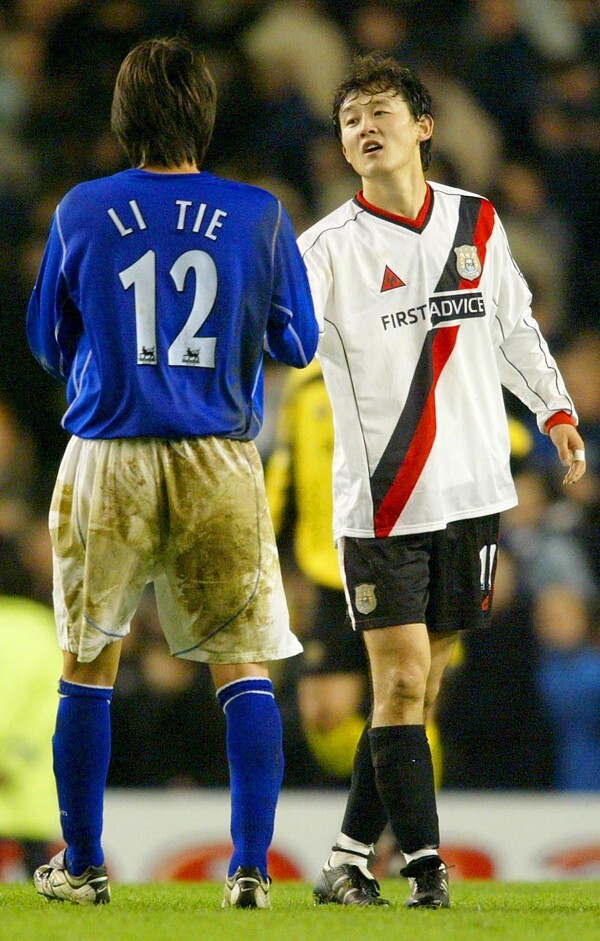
(485, 911)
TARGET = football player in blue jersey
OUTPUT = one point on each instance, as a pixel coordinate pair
(159, 290)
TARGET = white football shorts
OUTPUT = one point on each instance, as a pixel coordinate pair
(192, 517)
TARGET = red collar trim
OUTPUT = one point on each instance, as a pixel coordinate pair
(413, 223)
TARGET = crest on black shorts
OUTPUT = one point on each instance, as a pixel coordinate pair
(364, 598)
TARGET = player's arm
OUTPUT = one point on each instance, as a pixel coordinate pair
(53, 322)
(526, 366)
(316, 258)
(569, 445)
(292, 330)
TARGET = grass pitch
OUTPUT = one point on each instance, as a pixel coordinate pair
(482, 911)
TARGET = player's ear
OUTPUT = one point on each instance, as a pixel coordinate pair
(424, 127)
(347, 158)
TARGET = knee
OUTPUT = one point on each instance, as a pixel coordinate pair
(402, 687)
(102, 671)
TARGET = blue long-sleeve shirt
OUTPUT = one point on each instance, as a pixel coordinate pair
(570, 685)
(156, 298)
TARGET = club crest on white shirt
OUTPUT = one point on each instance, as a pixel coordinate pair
(468, 264)
(364, 598)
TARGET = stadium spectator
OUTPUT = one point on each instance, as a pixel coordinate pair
(566, 141)
(159, 417)
(293, 81)
(28, 808)
(384, 26)
(494, 49)
(332, 680)
(545, 550)
(585, 16)
(568, 678)
(580, 365)
(17, 461)
(556, 35)
(282, 42)
(492, 719)
(540, 237)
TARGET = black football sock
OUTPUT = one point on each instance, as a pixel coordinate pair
(365, 817)
(404, 774)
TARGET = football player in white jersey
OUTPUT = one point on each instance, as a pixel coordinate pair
(160, 288)
(425, 316)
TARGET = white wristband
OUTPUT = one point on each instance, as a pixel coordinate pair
(579, 454)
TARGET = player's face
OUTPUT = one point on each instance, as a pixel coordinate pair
(380, 137)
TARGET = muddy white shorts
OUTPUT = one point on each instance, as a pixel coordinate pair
(192, 517)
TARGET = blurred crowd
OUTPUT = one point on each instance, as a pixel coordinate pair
(516, 91)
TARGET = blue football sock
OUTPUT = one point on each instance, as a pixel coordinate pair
(81, 745)
(255, 754)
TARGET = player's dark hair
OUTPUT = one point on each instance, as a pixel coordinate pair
(164, 104)
(373, 73)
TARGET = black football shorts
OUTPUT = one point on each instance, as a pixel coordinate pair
(443, 579)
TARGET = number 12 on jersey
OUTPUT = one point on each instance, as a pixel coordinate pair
(186, 349)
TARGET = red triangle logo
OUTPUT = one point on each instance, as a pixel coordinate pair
(390, 280)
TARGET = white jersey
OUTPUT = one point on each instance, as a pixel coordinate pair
(424, 322)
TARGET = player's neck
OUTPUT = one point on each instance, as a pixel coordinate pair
(402, 197)
(180, 168)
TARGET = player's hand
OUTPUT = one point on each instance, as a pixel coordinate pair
(571, 451)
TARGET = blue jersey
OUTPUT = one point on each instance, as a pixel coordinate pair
(156, 297)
